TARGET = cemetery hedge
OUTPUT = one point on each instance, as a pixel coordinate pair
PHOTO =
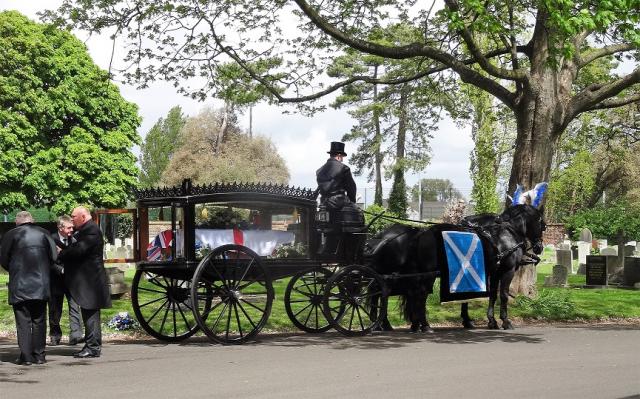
(572, 304)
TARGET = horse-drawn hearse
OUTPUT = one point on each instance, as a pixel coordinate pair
(207, 258)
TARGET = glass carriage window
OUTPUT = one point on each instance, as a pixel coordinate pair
(160, 231)
(178, 224)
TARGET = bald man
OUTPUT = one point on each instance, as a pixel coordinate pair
(86, 279)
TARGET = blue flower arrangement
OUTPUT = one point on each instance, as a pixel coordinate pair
(122, 321)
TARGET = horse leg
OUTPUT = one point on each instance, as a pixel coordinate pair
(493, 296)
(504, 299)
(464, 313)
(424, 323)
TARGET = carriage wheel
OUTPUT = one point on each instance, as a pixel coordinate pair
(352, 300)
(240, 291)
(303, 300)
(163, 307)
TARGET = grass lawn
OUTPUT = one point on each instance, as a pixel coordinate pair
(552, 304)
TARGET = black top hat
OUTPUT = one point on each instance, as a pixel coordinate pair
(337, 148)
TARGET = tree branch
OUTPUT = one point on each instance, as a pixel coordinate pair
(593, 54)
(502, 73)
(615, 102)
(468, 75)
(593, 96)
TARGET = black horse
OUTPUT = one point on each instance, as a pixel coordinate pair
(410, 255)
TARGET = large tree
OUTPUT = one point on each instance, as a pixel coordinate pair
(531, 60)
(159, 145)
(207, 156)
(65, 132)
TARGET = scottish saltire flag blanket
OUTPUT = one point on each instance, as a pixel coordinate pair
(465, 260)
(463, 266)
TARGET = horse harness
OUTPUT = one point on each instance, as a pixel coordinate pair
(528, 257)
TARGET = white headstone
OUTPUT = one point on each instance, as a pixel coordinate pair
(128, 241)
(602, 243)
(586, 236)
(584, 249)
(609, 251)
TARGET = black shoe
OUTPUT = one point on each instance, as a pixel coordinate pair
(54, 341)
(21, 362)
(40, 361)
(75, 341)
(85, 353)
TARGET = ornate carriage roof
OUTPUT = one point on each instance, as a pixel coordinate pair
(187, 190)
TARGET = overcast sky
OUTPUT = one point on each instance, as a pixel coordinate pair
(301, 141)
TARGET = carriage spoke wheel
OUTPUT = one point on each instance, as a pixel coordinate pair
(162, 306)
(233, 279)
(303, 300)
(352, 300)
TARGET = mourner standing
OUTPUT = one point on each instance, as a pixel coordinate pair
(335, 181)
(62, 238)
(86, 278)
(28, 252)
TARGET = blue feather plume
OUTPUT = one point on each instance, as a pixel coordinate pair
(538, 194)
(517, 194)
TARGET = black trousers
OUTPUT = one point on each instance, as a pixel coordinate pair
(31, 327)
(55, 314)
(92, 330)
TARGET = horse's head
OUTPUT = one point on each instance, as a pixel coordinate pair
(529, 222)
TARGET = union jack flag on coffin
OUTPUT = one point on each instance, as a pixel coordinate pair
(160, 242)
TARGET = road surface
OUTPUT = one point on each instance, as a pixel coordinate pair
(531, 362)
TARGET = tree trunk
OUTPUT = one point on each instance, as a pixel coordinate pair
(378, 143)
(540, 122)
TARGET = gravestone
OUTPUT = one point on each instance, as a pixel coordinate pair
(614, 263)
(602, 243)
(558, 277)
(564, 257)
(631, 271)
(596, 270)
(584, 249)
(629, 249)
(586, 236)
(609, 251)
(117, 286)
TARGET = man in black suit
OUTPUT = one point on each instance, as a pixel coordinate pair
(62, 238)
(335, 181)
(27, 252)
(86, 279)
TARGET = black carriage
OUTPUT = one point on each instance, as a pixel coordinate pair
(209, 255)
(216, 274)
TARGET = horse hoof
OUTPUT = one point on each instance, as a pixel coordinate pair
(426, 330)
(468, 325)
(493, 325)
(507, 325)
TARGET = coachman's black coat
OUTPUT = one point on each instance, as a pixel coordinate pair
(84, 271)
(334, 180)
(28, 252)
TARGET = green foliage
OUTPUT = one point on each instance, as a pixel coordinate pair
(398, 196)
(484, 158)
(65, 132)
(159, 145)
(606, 220)
(210, 153)
(436, 190)
(124, 226)
(217, 217)
(549, 305)
(571, 187)
(380, 223)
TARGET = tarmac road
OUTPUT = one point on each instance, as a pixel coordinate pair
(533, 362)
